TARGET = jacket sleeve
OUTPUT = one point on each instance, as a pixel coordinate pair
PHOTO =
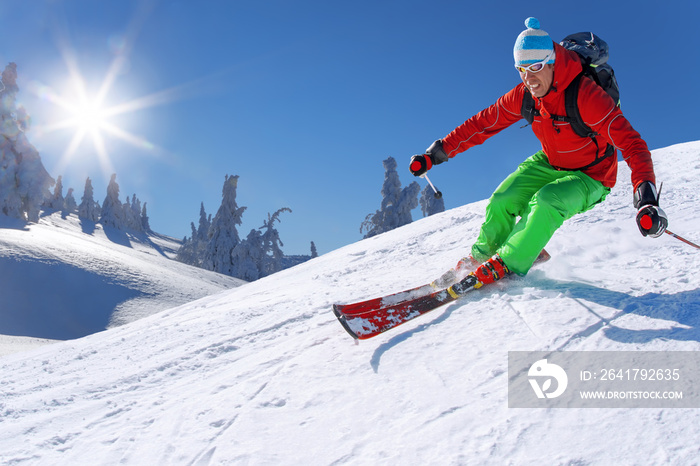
(609, 122)
(486, 123)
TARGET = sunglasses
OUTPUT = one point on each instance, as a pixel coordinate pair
(535, 67)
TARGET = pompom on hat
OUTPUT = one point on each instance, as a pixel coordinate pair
(533, 45)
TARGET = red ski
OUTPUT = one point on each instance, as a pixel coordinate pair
(461, 270)
(366, 319)
(372, 322)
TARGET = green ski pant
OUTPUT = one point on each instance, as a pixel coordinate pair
(543, 198)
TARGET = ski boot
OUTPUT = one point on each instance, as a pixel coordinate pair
(490, 271)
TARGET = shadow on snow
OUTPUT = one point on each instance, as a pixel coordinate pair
(682, 308)
(62, 302)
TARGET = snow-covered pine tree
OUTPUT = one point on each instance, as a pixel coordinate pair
(23, 120)
(56, 201)
(112, 209)
(247, 256)
(429, 204)
(10, 88)
(396, 204)
(127, 214)
(133, 213)
(24, 182)
(204, 225)
(187, 251)
(314, 252)
(193, 249)
(10, 201)
(407, 202)
(88, 208)
(223, 236)
(271, 260)
(145, 222)
(69, 204)
(33, 181)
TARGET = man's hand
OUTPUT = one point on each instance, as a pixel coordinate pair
(651, 220)
(420, 164)
(434, 155)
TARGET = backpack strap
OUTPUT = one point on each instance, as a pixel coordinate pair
(573, 117)
(527, 109)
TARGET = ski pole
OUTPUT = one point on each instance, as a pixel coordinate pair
(683, 239)
(438, 194)
(658, 196)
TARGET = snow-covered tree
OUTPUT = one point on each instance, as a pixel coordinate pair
(204, 225)
(191, 252)
(187, 253)
(24, 182)
(193, 249)
(55, 202)
(127, 214)
(88, 208)
(223, 236)
(314, 252)
(247, 257)
(258, 255)
(33, 181)
(10, 88)
(112, 209)
(22, 119)
(396, 204)
(145, 222)
(271, 244)
(407, 202)
(132, 213)
(429, 204)
(10, 202)
(69, 204)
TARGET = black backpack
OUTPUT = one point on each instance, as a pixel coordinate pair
(593, 52)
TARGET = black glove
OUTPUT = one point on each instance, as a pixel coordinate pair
(421, 163)
(651, 220)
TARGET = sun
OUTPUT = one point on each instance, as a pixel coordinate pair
(89, 116)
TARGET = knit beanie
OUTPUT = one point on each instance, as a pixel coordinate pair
(532, 45)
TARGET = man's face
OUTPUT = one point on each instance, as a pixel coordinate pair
(540, 82)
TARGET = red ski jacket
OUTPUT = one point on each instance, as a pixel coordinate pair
(564, 148)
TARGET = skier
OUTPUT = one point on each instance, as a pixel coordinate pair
(569, 175)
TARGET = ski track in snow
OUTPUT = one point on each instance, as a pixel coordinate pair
(264, 374)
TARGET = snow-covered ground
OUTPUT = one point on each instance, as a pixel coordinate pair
(264, 374)
(65, 278)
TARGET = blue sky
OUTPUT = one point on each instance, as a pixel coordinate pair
(304, 99)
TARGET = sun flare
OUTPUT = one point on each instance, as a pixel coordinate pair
(89, 119)
(92, 113)
(87, 110)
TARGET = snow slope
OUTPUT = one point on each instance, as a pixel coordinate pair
(65, 278)
(264, 374)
